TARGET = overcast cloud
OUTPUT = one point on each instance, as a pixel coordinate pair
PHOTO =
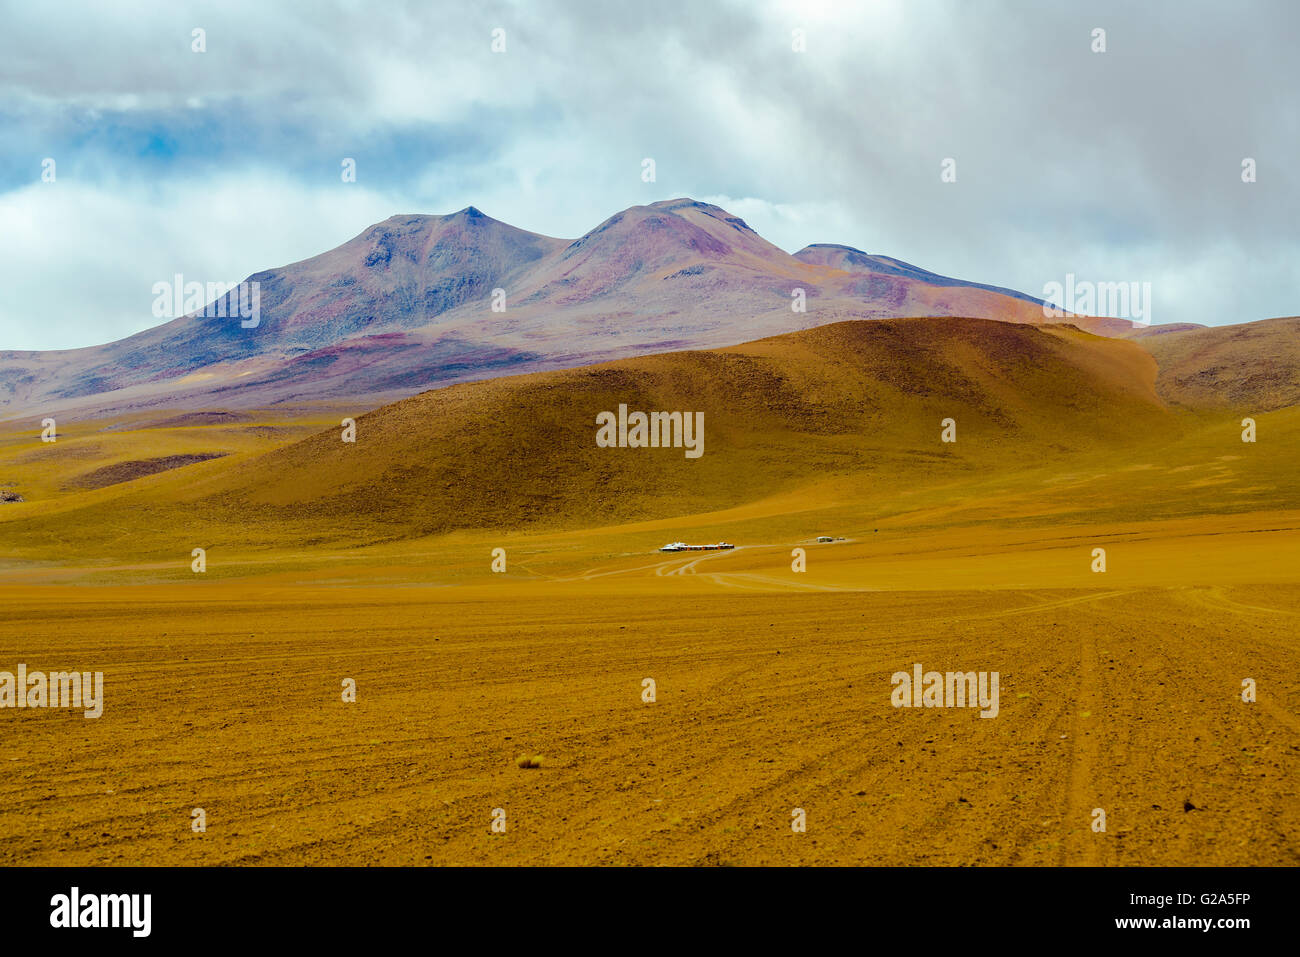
(1116, 166)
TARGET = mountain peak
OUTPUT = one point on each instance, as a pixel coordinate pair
(424, 220)
(682, 202)
(837, 246)
(685, 203)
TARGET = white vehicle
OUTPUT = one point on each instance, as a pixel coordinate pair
(674, 547)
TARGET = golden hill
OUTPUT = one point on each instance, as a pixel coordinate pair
(858, 405)
(857, 398)
(1252, 367)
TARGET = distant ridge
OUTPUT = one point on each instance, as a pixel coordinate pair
(855, 260)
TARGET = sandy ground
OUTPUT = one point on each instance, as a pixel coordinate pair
(228, 698)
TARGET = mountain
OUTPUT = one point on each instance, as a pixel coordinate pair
(408, 305)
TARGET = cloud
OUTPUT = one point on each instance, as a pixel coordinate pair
(1116, 166)
(81, 260)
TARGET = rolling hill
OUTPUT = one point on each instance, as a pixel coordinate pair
(1252, 366)
(857, 405)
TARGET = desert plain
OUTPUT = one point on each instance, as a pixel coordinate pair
(1120, 690)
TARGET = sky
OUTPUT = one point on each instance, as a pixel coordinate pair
(1122, 165)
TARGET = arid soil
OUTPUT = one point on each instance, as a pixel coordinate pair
(228, 698)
